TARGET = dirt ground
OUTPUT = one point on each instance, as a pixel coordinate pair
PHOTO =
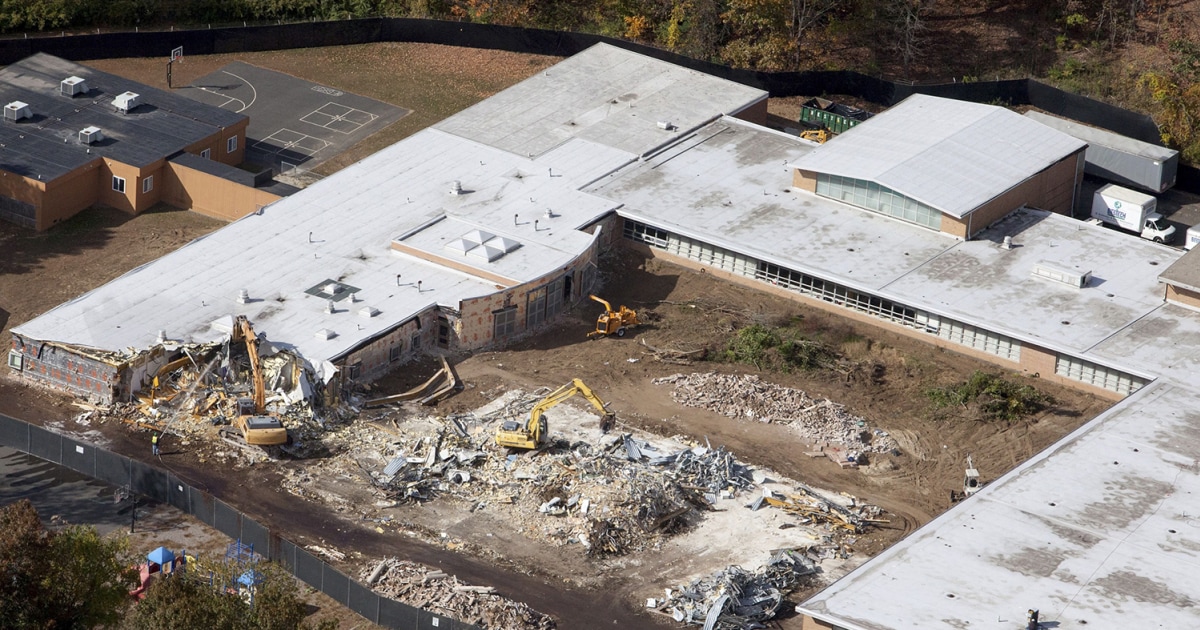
(686, 310)
(884, 376)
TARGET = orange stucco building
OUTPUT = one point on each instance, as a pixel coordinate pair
(72, 136)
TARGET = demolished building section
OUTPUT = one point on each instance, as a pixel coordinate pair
(462, 236)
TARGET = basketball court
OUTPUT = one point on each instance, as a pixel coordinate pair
(294, 124)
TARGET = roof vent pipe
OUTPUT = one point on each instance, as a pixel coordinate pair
(1007, 244)
(329, 308)
(457, 188)
(243, 296)
(162, 336)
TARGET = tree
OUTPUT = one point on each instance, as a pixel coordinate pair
(198, 599)
(759, 35)
(904, 21)
(71, 578)
(807, 14)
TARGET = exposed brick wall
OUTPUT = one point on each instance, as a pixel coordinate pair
(375, 359)
(63, 369)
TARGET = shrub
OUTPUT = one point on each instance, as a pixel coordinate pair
(994, 397)
(773, 348)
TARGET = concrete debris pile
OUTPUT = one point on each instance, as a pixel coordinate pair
(619, 496)
(817, 420)
(737, 599)
(443, 594)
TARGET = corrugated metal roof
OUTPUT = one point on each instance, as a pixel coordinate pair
(1104, 137)
(951, 155)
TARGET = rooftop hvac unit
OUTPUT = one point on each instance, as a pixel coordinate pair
(17, 110)
(71, 86)
(90, 135)
(1071, 277)
(126, 101)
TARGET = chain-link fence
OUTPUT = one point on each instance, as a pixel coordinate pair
(164, 487)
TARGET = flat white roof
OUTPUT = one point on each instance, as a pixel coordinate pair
(1095, 136)
(728, 184)
(982, 283)
(951, 155)
(341, 229)
(1096, 532)
(606, 94)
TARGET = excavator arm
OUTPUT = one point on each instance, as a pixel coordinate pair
(260, 390)
(532, 434)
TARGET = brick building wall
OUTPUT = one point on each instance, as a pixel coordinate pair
(63, 369)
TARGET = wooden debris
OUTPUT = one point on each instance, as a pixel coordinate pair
(443, 594)
(817, 420)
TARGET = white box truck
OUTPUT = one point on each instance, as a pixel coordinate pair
(1192, 237)
(1133, 211)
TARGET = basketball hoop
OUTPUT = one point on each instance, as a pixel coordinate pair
(177, 54)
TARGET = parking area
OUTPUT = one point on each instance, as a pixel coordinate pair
(294, 123)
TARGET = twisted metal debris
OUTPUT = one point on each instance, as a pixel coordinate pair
(737, 599)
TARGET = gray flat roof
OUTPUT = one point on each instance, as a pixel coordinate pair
(342, 228)
(47, 145)
(1185, 272)
(951, 155)
(606, 94)
(1102, 137)
(1096, 532)
(728, 184)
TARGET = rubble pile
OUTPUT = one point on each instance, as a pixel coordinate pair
(737, 599)
(817, 420)
(813, 509)
(443, 594)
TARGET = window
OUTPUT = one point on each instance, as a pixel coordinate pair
(148, 184)
(415, 342)
(396, 352)
(1097, 375)
(353, 370)
(504, 322)
(535, 308)
(118, 184)
(443, 332)
(231, 145)
(645, 234)
(871, 196)
(15, 360)
(206, 153)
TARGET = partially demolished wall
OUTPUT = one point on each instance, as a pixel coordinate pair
(96, 377)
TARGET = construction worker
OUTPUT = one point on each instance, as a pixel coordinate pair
(154, 444)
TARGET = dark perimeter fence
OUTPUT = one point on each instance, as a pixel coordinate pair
(235, 39)
(167, 488)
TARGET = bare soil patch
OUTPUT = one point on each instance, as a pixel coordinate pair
(885, 382)
(685, 310)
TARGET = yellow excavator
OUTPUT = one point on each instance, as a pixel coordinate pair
(612, 322)
(820, 136)
(532, 434)
(255, 425)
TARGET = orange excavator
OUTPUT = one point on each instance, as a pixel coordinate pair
(253, 424)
